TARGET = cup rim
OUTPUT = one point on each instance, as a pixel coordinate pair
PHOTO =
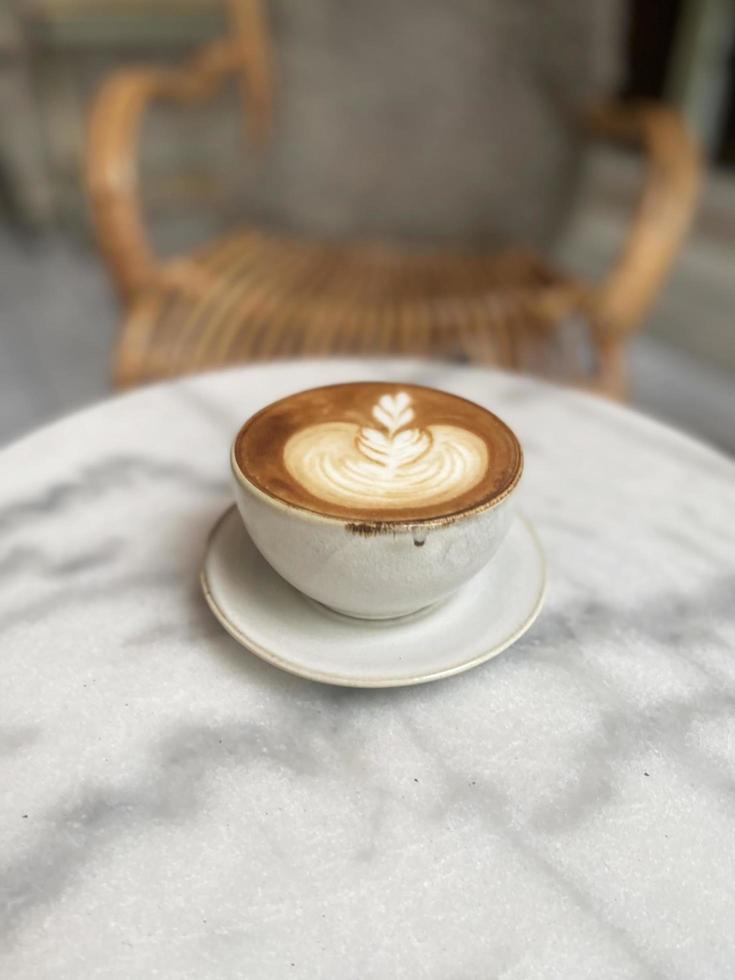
(369, 526)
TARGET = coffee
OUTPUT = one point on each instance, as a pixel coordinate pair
(379, 452)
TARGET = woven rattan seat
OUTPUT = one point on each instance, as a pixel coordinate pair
(254, 296)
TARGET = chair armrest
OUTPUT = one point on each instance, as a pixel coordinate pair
(111, 166)
(620, 301)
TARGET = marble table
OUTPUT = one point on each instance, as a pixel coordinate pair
(173, 807)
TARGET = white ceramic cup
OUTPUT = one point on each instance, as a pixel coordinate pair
(379, 570)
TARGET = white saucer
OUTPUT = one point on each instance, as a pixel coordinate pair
(275, 621)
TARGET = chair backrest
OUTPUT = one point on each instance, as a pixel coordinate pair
(430, 120)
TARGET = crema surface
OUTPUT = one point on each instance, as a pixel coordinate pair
(379, 452)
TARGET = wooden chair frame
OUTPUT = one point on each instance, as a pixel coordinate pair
(615, 306)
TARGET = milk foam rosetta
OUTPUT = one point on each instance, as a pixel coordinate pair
(382, 452)
(386, 463)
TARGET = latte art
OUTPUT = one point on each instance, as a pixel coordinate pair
(389, 464)
(378, 453)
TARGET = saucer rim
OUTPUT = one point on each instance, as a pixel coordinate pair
(387, 681)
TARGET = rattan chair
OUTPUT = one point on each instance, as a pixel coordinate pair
(261, 293)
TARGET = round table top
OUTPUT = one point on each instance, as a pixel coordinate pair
(174, 807)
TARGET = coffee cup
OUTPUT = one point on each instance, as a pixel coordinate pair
(376, 499)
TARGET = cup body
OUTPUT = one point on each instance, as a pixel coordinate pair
(375, 570)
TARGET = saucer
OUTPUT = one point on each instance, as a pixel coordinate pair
(278, 623)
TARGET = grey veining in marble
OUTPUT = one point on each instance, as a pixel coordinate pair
(173, 807)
